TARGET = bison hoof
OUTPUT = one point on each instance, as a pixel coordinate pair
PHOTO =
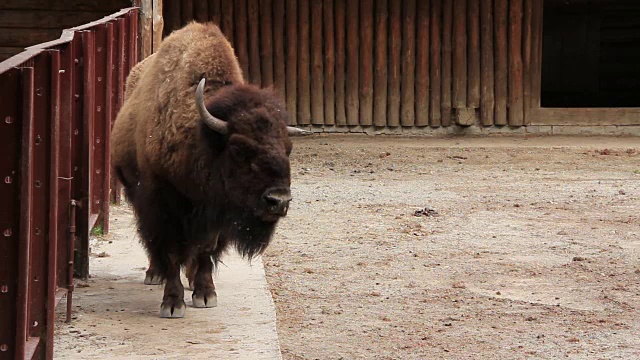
(172, 308)
(204, 298)
(153, 280)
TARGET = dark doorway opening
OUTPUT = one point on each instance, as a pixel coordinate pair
(591, 53)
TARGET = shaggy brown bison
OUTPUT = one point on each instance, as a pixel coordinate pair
(204, 163)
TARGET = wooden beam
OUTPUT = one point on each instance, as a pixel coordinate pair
(317, 65)
(266, 42)
(447, 64)
(279, 74)
(487, 99)
(146, 27)
(435, 118)
(340, 33)
(516, 87)
(422, 63)
(241, 44)
(201, 10)
(291, 18)
(329, 63)
(460, 54)
(158, 25)
(253, 22)
(352, 63)
(501, 64)
(380, 65)
(304, 67)
(395, 33)
(473, 66)
(408, 72)
(366, 62)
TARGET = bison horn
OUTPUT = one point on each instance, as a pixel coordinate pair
(213, 122)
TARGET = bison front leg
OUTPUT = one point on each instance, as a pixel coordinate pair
(173, 305)
(204, 291)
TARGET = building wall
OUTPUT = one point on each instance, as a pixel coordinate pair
(24, 23)
(394, 63)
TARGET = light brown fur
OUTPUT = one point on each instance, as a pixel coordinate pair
(160, 106)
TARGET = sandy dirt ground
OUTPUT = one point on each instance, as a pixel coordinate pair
(460, 248)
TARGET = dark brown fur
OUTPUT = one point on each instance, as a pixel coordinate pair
(196, 192)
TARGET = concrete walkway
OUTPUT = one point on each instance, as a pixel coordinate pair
(118, 316)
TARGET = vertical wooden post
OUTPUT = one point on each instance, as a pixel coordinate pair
(460, 54)
(279, 75)
(473, 16)
(526, 58)
(536, 56)
(158, 24)
(253, 21)
(516, 106)
(395, 33)
(407, 107)
(266, 42)
(487, 99)
(227, 15)
(304, 91)
(291, 67)
(340, 33)
(422, 63)
(215, 12)
(201, 10)
(501, 16)
(317, 64)
(329, 64)
(380, 66)
(435, 119)
(186, 12)
(352, 62)
(240, 36)
(146, 22)
(447, 63)
(366, 62)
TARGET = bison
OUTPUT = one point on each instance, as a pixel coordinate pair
(204, 161)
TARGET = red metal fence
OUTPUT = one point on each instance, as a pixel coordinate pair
(57, 104)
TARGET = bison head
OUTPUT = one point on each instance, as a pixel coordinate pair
(247, 128)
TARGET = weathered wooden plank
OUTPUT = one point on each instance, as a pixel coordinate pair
(329, 63)
(304, 64)
(395, 33)
(317, 65)
(291, 67)
(447, 65)
(215, 12)
(340, 33)
(487, 100)
(201, 10)
(146, 22)
(516, 88)
(422, 63)
(227, 16)
(586, 116)
(526, 55)
(459, 93)
(473, 66)
(501, 65)
(408, 71)
(536, 56)
(380, 66)
(366, 62)
(279, 75)
(241, 44)
(186, 11)
(435, 118)
(352, 62)
(266, 42)
(158, 24)
(253, 22)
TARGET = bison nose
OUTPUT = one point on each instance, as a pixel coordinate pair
(277, 201)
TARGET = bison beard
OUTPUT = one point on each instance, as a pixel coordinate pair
(203, 175)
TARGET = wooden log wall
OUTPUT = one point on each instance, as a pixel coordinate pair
(382, 63)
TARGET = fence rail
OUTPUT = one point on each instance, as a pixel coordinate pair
(57, 104)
